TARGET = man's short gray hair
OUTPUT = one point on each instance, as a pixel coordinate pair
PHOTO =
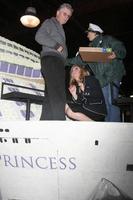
(66, 5)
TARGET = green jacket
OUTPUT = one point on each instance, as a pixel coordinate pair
(109, 71)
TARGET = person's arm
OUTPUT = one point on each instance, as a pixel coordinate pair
(118, 49)
(77, 94)
(76, 115)
(44, 35)
(72, 90)
(77, 60)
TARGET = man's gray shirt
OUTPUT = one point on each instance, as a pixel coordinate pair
(51, 36)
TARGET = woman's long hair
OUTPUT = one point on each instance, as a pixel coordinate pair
(83, 72)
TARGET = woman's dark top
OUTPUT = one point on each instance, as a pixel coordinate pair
(90, 101)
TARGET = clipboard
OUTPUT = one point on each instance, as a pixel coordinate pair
(94, 54)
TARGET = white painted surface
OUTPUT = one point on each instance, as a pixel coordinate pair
(63, 162)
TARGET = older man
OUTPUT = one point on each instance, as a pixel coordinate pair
(53, 55)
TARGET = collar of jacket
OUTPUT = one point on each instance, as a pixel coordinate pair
(97, 42)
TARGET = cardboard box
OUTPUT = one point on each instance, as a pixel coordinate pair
(92, 54)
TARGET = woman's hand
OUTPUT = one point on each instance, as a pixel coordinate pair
(72, 90)
(81, 85)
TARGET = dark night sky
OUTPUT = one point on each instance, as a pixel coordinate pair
(114, 17)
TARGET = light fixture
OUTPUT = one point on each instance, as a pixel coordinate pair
(30, 19)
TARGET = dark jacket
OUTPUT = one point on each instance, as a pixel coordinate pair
(110, 71)
(92, 98)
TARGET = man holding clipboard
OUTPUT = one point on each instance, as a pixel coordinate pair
(109, 71)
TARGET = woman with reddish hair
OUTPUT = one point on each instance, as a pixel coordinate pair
(85, 100)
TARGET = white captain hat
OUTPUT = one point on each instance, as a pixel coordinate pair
(94, 28)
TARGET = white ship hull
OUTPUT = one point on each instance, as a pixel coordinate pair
(63, 160)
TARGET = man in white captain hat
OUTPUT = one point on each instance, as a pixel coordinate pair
(110, 73)
(95, 28)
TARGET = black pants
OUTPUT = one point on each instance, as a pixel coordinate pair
(53, 72)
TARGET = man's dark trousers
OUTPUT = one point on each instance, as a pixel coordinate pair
(53, 72)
